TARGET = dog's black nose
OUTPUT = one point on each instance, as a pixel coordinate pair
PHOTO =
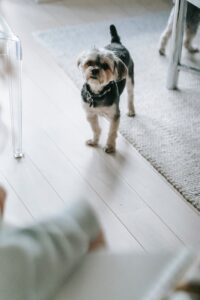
(95, 72)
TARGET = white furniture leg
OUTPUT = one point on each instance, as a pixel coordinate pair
(176, 43)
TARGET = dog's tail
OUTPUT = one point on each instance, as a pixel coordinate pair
(114, 35)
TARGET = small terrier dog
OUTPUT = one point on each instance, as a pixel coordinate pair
(192, 23)
(106, 70)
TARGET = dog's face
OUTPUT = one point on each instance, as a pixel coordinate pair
(100, 66)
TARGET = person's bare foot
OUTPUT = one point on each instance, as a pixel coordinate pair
(2, 199)
(98, 242)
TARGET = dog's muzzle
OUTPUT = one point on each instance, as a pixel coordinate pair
(95, 72)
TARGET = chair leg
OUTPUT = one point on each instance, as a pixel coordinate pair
(15, 92)
(176, 43)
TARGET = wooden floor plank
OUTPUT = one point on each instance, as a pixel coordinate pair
(16, 212)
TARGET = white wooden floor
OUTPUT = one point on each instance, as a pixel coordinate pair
(138, 209)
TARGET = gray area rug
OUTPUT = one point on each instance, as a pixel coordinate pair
(166, 129)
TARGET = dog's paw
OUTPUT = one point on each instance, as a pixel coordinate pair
(131, 113)
(161, 51)
(109, 149)
(91, 143)
(193, 50)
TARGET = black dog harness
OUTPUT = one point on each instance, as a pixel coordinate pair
(96, 99)
(106, 97)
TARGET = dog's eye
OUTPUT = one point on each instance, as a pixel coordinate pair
(90, 63)
(105, 66)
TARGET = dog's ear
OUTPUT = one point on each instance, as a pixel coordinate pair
(78, 61)
(80, 58)
(121, 70)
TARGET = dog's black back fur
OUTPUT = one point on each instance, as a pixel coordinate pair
(121, 51)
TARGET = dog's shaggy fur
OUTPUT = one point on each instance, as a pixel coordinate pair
(106, 73)
(192, 23)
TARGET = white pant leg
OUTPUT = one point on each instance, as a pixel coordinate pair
(35, 261)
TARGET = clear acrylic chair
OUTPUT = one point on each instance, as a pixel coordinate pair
(13, 54)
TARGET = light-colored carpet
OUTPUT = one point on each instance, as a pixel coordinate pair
(166, 129)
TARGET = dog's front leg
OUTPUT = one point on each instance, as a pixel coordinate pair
(112, 135)
(93, 120)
